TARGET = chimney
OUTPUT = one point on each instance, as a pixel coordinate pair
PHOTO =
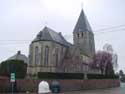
(19, 52)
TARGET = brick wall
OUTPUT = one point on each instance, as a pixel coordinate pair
(66, 85)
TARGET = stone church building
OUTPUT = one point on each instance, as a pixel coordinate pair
(50, 51)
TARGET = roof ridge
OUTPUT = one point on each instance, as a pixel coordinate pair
(49, 34)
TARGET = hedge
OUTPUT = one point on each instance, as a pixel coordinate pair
(100, 76)
(49, 75)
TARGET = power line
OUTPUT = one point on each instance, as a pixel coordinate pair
(108, 28)
(104, 30)
(108, 31)
(13, 43)
(16, 40)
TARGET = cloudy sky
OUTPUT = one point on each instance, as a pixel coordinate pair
(21, 20)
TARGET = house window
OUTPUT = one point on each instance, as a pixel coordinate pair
(46, 59)
(36, 55)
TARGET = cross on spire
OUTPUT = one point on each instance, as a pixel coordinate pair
(82, 5)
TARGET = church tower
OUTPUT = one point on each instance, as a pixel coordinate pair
(83, 36)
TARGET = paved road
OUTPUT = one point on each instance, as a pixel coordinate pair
(119, 90)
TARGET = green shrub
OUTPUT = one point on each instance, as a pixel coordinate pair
(122, 79)
(48, 75)
(13, 66)
(100, 76)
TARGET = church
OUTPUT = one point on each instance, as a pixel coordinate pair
(51, 52)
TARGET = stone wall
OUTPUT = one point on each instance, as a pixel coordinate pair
(66, 85)
(56, 54)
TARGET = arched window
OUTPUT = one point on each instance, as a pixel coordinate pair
(46, 59)
(78, 35)
(36, 55)
(56, 53)
(41, 56)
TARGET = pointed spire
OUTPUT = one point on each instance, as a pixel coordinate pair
(82, 23)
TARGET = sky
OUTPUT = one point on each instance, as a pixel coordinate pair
(21, 20)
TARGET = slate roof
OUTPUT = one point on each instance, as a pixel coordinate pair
(48, 34)
(82, 24)
(19, 56)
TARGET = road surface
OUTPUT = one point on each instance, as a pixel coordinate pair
(118, 90)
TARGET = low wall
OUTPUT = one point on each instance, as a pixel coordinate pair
(66, 85)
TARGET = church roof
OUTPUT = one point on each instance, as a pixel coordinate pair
(48, 34)
(82, 23)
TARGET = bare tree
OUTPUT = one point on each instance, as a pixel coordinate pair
(103, 61)
(108, 48)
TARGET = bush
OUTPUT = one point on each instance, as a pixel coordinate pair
(43, 75)
(100, 76)
(13, 66)
(122, 79)
(49, 75)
